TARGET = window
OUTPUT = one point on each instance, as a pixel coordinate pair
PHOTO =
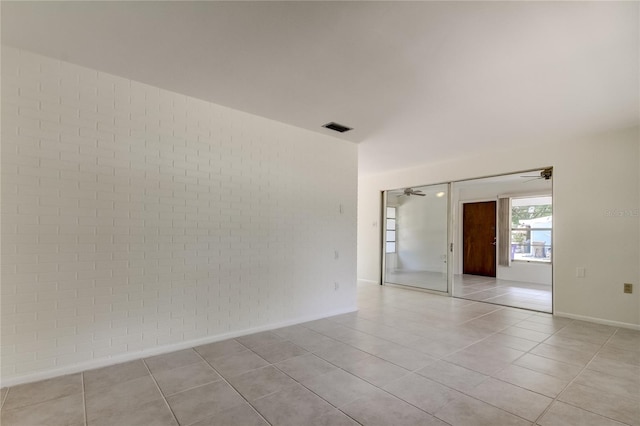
(390, 230)
(531, 226)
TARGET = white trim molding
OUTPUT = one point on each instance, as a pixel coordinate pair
(598, 320)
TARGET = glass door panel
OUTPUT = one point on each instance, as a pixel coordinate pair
(416, 237)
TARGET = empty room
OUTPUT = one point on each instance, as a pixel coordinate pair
(319, 213)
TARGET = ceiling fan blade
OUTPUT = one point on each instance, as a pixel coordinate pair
(419, 195)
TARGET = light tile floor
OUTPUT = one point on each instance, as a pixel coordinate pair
(405, 358)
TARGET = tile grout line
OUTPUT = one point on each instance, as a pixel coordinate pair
(84, 400)
(298, 382)
(573, 380)
(583, 368)
(491, 376)
(461, 392)
(5, 398)
(160, 390)
(360, 378)
(354, 375)
(312, 391)
(233, 387)
(488, 376)
(477, 317)
(435, 357)
(374, 355)
(538, 393)
(319, 396)
(369, 334)
(404, 400)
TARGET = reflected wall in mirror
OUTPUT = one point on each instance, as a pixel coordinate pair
(416, 237)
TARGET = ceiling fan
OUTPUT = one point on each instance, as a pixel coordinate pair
(410, 191)
(545, 174)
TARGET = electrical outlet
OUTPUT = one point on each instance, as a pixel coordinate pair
(580, 272)
(337, 285)
(628, 288)
(341, 209)
(336, 255)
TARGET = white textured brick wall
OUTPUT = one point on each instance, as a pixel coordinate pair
(135, 218)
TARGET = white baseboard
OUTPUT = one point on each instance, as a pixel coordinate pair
(598, 320)
(130, 356)
(367, 281)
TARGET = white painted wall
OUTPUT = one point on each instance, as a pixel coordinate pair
(595, 179)
(137, 220)
(473, 191)
(530, 272)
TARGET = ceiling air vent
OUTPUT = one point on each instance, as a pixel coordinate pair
(337, 127)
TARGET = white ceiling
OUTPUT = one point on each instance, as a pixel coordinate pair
(419, 81)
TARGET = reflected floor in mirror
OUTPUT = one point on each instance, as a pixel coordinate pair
(429, 280)
(536, 297)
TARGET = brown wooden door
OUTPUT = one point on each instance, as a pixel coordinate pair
(479, 238)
